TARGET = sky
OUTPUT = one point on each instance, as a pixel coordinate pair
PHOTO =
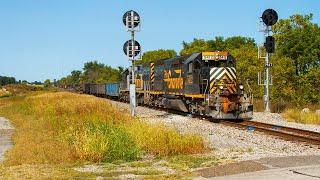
(47, 39)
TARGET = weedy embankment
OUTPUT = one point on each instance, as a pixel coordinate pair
(296, 115)
(65, 128)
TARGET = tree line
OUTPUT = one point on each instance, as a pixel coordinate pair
(93, 72)
(296, 61)
(4, 80)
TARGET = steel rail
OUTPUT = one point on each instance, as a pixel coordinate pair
(284, 132)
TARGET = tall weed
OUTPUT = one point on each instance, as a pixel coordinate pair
(298, 116)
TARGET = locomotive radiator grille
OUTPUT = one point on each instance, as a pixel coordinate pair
(219, 75)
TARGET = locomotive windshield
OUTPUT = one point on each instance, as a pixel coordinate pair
(218, 59)
(221, 63)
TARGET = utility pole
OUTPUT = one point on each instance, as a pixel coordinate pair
(269, 18)
(132, 48)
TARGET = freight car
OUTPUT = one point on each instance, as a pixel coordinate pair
(200, 83)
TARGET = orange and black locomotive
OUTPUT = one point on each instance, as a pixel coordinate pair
(200, 83)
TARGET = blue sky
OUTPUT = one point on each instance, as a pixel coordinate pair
(42, 39)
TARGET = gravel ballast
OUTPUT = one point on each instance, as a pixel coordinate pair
(230, 142)
(275, 118)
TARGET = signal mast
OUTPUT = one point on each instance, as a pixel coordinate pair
(132, 48)
(269, 18)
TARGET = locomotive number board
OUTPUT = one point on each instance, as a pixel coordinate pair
(214, 56)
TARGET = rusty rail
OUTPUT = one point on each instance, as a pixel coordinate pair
(287, 133)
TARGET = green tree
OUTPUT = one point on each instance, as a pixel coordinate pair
(283, 88)
(236, 42)
(95, 72)
(216, 44)
(47, 83)
(91, 71)
(75, 76)
(4, 80)
(248, 65)
(197, 45)
(120, 70)
(297, 60)
(299, 39)
(156, 55)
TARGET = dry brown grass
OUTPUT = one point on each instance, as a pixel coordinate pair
(4, 93)
(161, 140)
(63, 128)
(295, 115)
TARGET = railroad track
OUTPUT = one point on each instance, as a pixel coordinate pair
(283, 132)
(287, 133)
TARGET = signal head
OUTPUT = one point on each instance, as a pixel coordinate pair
(269, 17)
(128, 48)
(131, 19)
(270, 44)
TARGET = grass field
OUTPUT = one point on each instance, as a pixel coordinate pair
(65, 129)
(295, 115)
(4, 93)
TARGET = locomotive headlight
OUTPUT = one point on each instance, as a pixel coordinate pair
(221, 87)
(241, 87)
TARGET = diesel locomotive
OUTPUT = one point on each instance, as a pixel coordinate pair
(200, 83)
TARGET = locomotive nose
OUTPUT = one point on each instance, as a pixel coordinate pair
(223, 78)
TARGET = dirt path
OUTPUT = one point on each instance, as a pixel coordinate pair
(6, 131)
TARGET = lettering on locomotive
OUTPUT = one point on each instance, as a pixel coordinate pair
(173, 83)
(214, 56)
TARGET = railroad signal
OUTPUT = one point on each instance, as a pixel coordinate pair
(269, 17)
(132, 48)
(269, 44)
(131, 19)
(131, 51)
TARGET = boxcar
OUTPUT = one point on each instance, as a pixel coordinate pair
(112, 89)
(101, 90)
(93, 88)
(86, 88)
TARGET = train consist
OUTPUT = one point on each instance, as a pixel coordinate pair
(200, 83)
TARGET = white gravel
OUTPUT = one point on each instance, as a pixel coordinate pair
(275, 118)
(230, 142)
